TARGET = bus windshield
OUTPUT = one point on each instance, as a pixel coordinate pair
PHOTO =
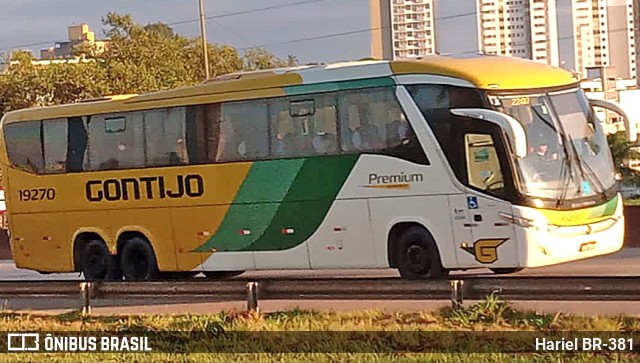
(568, 156)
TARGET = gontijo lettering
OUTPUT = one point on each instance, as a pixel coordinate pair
(154, 187)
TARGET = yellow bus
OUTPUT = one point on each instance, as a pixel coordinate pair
(427, 166)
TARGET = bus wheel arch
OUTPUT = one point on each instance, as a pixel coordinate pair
(408, 240)
(92, 257)
(138, 260)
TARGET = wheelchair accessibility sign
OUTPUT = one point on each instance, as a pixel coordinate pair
(472, 202)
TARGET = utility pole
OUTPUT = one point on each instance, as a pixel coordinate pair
(205, 48)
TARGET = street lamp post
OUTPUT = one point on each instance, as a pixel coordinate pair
(203, 30)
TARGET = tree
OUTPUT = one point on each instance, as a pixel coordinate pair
(258, 58)
(160, 29)
(138, 59)
(622, 152)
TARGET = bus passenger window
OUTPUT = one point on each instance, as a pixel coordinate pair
(305, 127)
(354, 121)
(114, 143)
(244, 132)
(55, 135)
(324, 126)
(372, 121)
(24, 146)
(227, 149)
(165, 133)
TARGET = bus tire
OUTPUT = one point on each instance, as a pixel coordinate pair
(221, 275)
(138, 261)
(418, 256)
(97, 262)
(506, 271)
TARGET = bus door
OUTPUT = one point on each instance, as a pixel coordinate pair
(485, 171)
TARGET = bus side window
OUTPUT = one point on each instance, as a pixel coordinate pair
(483, 165)
(304, 126)
(323, 126)
(372, 121)
(54, 135)
(363, 121)
(164, 133)
(24, 146)
(435, 102)
(244, 131)
(116, 142)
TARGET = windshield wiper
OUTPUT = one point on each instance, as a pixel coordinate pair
(565, 177)
(566, 174)
(593, 175)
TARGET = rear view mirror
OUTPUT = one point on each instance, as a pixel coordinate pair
(514, 130)
(629, 125)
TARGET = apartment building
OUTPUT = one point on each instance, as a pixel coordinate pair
(519, 28)
(402, 28)
(604, 36)
(77, 35)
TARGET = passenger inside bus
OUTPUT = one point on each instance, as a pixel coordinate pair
(324, 143)
(366, 136)
(227, 148)
(405, 142)
(296, 143)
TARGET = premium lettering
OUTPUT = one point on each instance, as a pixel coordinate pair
(156, 187)
(395, 179)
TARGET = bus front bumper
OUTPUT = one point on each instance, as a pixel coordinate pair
(567, 244)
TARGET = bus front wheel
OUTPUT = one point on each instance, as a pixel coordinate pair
(418, 256)
(138, 260)
(97, 263)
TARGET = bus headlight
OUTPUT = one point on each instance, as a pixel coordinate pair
(540, 225)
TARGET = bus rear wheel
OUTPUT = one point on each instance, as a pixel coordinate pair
(418, 256)
(138, 260)
(506, 271)
(221, 275)
(97, 263)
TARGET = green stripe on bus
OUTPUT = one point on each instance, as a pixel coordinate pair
(338, 86)
(278, 195)
(611, 206)
(255, 205)
(268, 181)
(307, 203)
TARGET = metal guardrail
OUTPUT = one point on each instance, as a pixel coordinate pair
(574, 288)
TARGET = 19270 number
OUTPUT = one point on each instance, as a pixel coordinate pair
(32, 195)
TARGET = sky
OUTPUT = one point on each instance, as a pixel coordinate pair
(283, 31)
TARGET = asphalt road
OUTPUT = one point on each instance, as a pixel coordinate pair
(624, 263)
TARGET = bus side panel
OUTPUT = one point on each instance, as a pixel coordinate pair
(41, 242)
(401, 191)
(430, 211)
(192, 228)
(155, 224)
(344, 239)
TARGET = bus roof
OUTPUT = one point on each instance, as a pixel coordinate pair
(484, 72)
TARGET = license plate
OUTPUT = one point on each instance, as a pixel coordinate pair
(588, 246)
